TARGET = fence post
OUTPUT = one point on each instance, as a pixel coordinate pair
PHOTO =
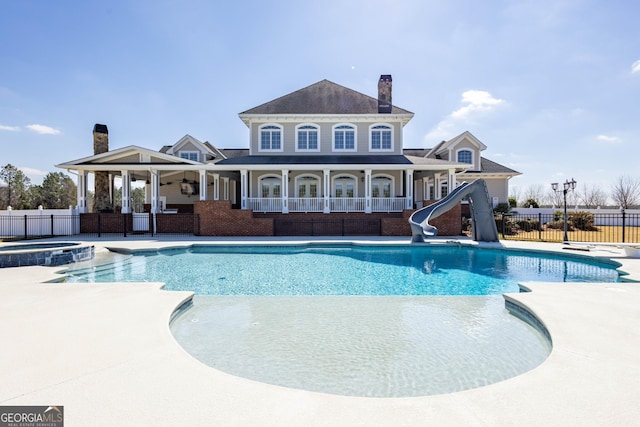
(25, 228)
(624, 217)
(540, 226)
(502, 225)
(52, 233)
(99, 227)
(124, 224)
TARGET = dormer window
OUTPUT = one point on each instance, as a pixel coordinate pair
(270, 138)
(307, 137)
(344, 138)
(381, 138)
(465, 156)
(190, 155)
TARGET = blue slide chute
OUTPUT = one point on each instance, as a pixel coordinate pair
(482, 221)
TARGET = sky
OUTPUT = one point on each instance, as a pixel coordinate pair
(551, 87)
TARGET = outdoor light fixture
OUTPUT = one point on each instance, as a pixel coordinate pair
(567, 186)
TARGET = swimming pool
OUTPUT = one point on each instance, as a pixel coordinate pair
(375, 321)
(346, 270)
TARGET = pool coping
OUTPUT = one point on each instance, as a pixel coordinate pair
(106, 353)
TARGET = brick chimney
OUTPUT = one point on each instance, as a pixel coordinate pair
(384, 94)
(101, 178)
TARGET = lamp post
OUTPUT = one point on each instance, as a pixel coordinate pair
(568, 186)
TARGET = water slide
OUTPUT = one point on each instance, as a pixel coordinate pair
(482, 222)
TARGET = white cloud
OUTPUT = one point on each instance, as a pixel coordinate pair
(474, 102)
(635, 68)
(31, 172)
(43, 130)
(10, 128)
(608, 139)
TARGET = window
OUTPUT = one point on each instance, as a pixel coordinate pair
(190, 155)
(381, 138)
(344, 138)
(465, 156)
(270, 138)
(307, 138)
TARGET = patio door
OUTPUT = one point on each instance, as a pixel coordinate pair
(307, 193)
(344, 193)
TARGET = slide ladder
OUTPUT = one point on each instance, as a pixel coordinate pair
(482, 221)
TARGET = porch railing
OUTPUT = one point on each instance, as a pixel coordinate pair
(266, 204)
(305, 204)
(336, 204)
(388, 204)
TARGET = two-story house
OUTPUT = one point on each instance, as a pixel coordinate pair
(322, 151)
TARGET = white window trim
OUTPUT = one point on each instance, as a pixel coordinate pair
(473, 156)
(371, 129)
(188, 152)
(355, 138)
(270, 150)
(317, 130)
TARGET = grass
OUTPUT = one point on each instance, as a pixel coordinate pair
(604, 234)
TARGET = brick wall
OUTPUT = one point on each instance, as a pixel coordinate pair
(218, 219)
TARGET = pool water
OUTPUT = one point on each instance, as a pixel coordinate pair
(375, 321)
(345, 270)
(362, 346)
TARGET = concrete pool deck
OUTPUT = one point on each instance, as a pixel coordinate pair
(106, 354)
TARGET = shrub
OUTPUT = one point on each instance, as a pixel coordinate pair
(506, 226)
(530, 203)
(583, 221)
(502, 208)
(559, 225)
(529, 225)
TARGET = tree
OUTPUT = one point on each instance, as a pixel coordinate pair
(15, 193)
(625, 192)
(533, 193)
(58, 191)
(592, 196)
(515, 194)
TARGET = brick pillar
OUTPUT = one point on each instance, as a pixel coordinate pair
(101, 178)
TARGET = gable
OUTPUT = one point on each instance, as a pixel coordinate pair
(323, 97)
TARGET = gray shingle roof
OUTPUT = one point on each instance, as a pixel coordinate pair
(324, 97)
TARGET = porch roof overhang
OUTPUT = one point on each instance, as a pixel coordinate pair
(339, 162)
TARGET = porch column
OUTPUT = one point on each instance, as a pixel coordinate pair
(82, 192)
(216, 186)
(203, 184)
(367, 191)
(126, 190)
(285, 191)
(225, 188)
(437, 193)
(326, 190)
(244, 188)
(112, 202)
(409, 188)
(155, 192)
(451, 180)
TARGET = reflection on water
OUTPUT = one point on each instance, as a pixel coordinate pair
(362, 346)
